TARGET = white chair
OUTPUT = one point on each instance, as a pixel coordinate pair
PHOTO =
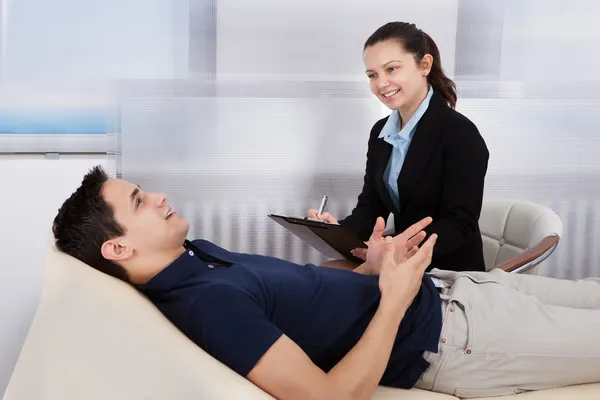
(518, 235)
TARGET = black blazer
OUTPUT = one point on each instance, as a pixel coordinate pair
(442, 177)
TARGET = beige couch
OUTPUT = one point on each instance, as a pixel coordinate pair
(95, 338)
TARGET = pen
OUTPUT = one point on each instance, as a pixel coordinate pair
(322, 206)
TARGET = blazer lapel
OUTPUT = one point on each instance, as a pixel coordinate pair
(382, 157)
(421, 148)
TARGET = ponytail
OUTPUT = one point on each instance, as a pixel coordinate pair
(437, 78)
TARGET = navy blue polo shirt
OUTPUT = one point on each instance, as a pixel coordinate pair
(235, 306)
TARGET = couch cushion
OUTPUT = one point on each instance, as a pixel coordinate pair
(576, 392)
(386, 393)
(96, 337)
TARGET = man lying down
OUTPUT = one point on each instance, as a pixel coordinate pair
(309, 332)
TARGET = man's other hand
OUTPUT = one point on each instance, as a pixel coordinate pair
(399, 278)
(406, 244)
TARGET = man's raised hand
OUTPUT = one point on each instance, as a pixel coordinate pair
(400, 281)
(406, 244)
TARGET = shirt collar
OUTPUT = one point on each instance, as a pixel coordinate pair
(392, 126)
(184, 266)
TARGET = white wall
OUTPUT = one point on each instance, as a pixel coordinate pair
(32, 188)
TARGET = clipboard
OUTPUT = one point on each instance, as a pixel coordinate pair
(329, 239)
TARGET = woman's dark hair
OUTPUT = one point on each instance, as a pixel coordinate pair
(418, 43)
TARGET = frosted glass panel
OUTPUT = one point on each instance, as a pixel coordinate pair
(539, 110)
(551, 40)
(547, 151)
(233, 160)
(287, 112)
(285, 121)
(318, 39)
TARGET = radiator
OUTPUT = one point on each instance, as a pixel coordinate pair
(245, 227)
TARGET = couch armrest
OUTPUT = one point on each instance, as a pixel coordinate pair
(531, 257)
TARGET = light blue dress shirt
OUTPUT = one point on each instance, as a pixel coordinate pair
(400, 140)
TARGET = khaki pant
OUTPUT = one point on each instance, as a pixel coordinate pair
(507, 333)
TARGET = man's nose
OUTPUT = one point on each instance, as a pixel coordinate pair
(161, 199)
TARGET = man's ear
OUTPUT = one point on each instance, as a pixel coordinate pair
(116, 250)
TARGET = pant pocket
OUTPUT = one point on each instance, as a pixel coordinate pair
(463, 393)
(451, 277)
(455, 329)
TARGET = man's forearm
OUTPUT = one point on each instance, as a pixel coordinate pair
(360, 371)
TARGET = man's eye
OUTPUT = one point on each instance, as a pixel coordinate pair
(138, 201)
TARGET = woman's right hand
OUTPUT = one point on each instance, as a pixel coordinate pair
(312, 213)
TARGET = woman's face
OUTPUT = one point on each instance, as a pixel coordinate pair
(395, 77)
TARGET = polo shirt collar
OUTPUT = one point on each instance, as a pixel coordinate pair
(184, 266)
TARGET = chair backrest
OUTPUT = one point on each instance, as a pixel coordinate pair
(95, 337)
(509, 227)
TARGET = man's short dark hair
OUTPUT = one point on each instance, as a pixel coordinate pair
(85, 221)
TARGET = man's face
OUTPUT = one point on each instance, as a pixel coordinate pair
(150, 226)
